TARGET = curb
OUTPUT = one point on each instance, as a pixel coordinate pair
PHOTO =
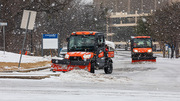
(26, 70)
(33, 69)
(24, 77)
(28, 76)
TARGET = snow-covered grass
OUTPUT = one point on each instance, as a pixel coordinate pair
(10, 61)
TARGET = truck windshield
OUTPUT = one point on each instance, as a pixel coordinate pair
(82, 43)
(142, 43)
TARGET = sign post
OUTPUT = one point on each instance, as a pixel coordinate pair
(4, 37)
(27, 22)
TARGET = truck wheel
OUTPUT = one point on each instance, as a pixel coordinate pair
(92, 70)
(109, 68)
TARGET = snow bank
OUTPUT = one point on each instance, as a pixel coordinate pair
(13, 57)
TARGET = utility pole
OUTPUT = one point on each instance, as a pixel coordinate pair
(129, 5)
(142, 6)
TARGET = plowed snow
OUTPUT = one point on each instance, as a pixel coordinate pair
(85, 76)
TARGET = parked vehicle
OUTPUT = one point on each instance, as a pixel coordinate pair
(63, 52)
(85, 50)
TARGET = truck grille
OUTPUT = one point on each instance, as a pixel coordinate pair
(143, 55)
(75, 58)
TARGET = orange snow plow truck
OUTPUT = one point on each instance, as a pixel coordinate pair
(141, 49)
(85, 50)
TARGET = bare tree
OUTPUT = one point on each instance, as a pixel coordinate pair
(48, 11)
(164, 26)
(53, 17)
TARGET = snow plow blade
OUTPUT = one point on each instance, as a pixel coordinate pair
(142, 59)
(60, 65)
(65, 65)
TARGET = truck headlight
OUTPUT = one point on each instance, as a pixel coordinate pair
(150, 50)
(87, 56)
(66, 56)
(136, 51)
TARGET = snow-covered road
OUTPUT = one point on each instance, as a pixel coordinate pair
(129, 82)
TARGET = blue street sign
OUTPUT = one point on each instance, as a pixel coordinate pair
(50, 36)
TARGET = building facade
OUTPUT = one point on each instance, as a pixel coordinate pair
(130, 6)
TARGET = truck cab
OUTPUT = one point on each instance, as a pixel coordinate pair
(141, 49)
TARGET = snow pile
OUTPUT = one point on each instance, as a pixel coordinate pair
(85, 76)
(13, 57)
